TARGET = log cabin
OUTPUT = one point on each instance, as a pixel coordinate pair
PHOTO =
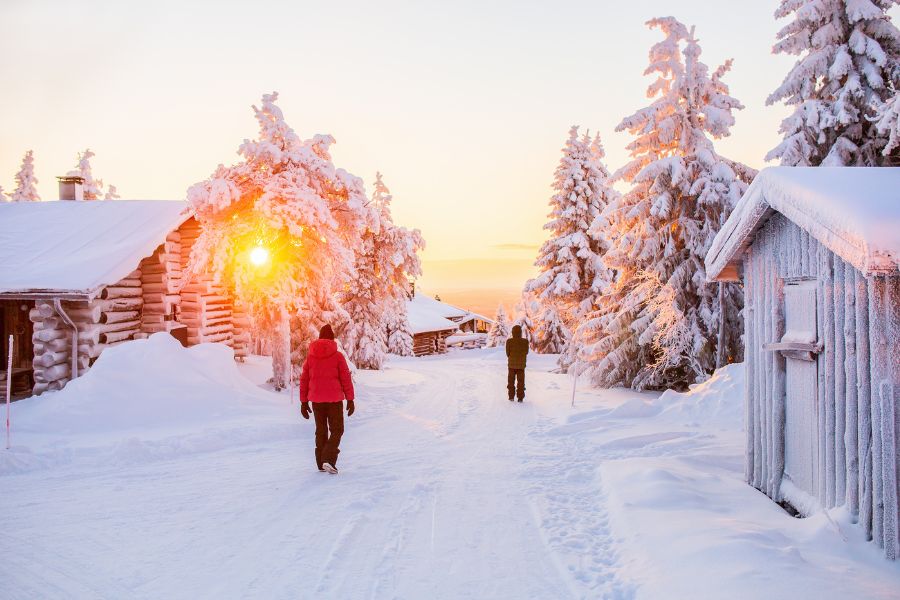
(79, 277)
(430, 325)
(818, 251)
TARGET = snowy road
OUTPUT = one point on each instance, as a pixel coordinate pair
(447, 490)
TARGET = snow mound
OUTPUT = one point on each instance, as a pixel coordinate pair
(143, 398)
(718, 401)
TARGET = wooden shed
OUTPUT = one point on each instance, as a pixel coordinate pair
(818, 251)
(79, 277)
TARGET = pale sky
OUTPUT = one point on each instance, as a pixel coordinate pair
(463, 106)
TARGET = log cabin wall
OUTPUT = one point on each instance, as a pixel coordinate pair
(857, 391)
(206, 307)
(430, 342)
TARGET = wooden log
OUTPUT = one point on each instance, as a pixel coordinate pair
(47, 335)
(111, 292)
(48, 359)
(48, 323)
(128, 283)
(57, 372)
(90, 350)
(120, 304)
(39, 388)
(160, 287)
(85, 314)
(119, 317)
(208, 339)
(55, 386)
(134, 325)
(112, 337)
(43, 309)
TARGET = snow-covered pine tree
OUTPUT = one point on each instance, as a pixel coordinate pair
(551, 335)
(682, 192)
(93, 188)
(26, 182)
(499, 332)
(111, 193)
(376, 297)
(3, 197)
(281, 229)
(848, 66)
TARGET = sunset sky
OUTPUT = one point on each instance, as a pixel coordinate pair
(463, 106)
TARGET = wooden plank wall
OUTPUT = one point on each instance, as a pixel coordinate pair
(858, 382)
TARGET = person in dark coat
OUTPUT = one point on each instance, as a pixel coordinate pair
(516, 354)
(326, 382)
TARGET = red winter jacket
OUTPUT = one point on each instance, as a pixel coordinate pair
(326, 377)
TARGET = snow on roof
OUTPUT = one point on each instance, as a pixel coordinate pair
(427, 314)
(80, 247)
(853, 211)
(441, 308)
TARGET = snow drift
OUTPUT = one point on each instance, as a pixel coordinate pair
(146, 392)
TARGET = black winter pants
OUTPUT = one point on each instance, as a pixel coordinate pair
(515, 383)
(329, 429)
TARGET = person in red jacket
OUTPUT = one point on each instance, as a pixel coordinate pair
(326, 382)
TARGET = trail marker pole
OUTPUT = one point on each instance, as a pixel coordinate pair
(8, 386)
(574, 383)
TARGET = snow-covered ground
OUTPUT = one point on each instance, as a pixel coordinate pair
(182, 479)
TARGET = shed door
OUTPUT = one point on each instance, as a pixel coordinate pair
(801, 420)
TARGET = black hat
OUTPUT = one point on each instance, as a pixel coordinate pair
(326, 333)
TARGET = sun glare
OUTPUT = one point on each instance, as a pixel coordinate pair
(259, 256)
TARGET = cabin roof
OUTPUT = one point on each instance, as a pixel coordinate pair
(852, 211)
(77, 248)
(427, 314)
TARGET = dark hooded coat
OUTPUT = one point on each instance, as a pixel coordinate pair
(516, 349)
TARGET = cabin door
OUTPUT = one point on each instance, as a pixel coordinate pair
(801, 387)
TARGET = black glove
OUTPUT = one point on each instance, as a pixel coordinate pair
(304, 409)
(350, 407)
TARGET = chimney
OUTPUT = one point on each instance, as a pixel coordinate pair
(71, 186)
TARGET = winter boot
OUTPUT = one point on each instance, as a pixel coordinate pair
(330, 468)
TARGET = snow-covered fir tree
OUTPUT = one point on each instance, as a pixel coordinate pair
(569, 259)
(111, 193)
(281, 229)
(682, 191)
(3, 197)
(26, 182)
(375, 299)
(499, 332)
(550, 336)
(848, 66)
(93, 187)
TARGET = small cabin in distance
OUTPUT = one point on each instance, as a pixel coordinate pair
(82, 276)
(818, 251)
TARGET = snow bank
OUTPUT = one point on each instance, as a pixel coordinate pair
(717, 401)
(153, 394)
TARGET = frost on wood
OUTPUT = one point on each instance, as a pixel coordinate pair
(287, 197)
(26, 182)
(659, 322)
(848, 65)
(500, 330)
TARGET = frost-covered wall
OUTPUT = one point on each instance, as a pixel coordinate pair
(856, 387)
